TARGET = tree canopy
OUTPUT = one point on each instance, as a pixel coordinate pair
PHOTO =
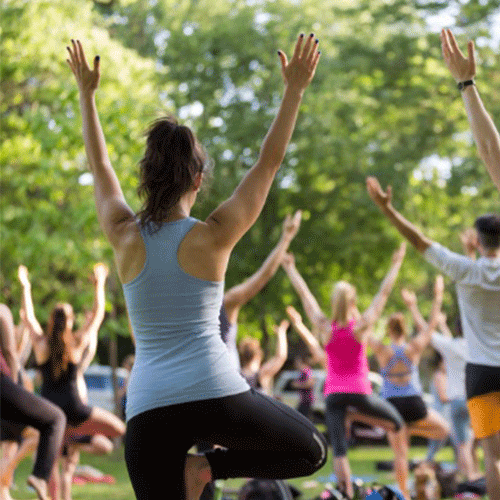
(382, 103)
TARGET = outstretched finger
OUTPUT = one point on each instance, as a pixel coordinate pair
(81, 53)
(298, 46)
(97, 62)
(471, 56)
(445, 46)
(313, 52)
(283, 59)
(307, 47)
(453, 43)
(75, 54)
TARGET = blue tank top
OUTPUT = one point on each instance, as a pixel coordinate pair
(391, 390)
(180, 355)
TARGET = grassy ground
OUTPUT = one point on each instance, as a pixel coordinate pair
(362, 461)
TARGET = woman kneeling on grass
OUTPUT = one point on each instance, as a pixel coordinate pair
(183, 387)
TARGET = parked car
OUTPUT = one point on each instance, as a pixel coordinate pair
(99, 381)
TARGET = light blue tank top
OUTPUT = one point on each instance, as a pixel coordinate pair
(392, 390)
(180, 355)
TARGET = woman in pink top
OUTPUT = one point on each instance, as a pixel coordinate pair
(344, 355)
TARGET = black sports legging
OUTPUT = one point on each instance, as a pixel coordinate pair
(23, 407)
(262, 437)
(367, 404)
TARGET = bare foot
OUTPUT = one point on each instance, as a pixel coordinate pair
(5, 493)
(197, 474)
(40, 486)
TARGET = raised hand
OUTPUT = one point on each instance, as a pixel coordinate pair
(282, 327)
(461, 68)
(469, 241)
(86, 78)
(409, 297)
(101, 271)
(377, 194)
(294, 315)
(291, 225)
(299, 72)
(22, 274)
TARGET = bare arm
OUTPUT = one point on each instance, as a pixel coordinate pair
(443, 325)
(28, 311)
(372, 314)
(236, 297)
(423, 338)
(309, 302)
(116, 218)
(88, 333)
(483, 128)
(410, 299)
(271, 367)
(312, 343)
(440, 385)
(236, 215)
(407, 229)
(8, 341)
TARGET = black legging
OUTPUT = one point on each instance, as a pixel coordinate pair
(263, 438)
(22, 407)
(368, 404)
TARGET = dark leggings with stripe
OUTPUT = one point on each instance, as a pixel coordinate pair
(370, 405)
(261, 437)
(22, 407)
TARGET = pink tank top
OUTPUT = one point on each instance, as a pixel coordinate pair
(346, 363)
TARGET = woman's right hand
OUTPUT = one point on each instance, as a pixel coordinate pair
(299, 72)
(86, 78)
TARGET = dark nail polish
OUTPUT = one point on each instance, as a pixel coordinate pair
(311, 35)
(97, 58)
(317, 40)
(279, 52)
(302, 35)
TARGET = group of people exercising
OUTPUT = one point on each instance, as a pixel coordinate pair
(172, 268)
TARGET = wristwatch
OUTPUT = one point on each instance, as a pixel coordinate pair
(462, 85)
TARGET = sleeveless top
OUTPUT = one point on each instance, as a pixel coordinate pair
(228, 332)
(63, 392)
(391, 390)
(346, 362)
(180, 355)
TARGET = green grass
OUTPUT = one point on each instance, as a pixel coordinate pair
(362, 460)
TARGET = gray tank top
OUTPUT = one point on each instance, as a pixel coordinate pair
(180, 355)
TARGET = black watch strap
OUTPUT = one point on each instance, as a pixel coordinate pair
(462, 85)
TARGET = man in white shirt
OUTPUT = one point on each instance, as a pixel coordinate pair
(478, 291)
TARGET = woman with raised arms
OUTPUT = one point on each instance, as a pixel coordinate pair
(183, 388)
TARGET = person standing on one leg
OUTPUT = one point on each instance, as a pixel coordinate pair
(344, 339)
(478, 290)
(172, 267)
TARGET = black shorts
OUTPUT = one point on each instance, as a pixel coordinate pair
(411, 408)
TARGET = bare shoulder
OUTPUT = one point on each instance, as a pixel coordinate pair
(200, 255)
(129, 249)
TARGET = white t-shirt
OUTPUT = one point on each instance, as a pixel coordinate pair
(478, 291)
(454, 352)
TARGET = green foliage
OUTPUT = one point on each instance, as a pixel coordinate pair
(381, 104)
